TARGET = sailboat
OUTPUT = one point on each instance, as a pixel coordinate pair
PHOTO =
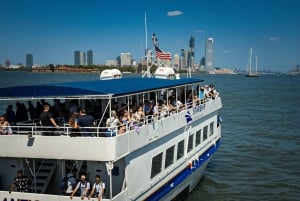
(250, 73)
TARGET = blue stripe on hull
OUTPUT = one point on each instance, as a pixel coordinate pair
(180, 177)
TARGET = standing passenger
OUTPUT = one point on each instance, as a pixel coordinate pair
(73, 130)
(85, 122)
(11, 115)
(98, 189)
(84, 186)
(21, 182)
(47, 120)
(71, 182)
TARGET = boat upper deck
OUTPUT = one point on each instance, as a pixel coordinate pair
(92, 89)
(29, 138)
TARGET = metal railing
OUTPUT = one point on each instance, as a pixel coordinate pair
(32, 128)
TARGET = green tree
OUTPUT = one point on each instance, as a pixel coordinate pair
(52, 68)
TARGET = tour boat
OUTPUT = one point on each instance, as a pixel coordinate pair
(159, 158)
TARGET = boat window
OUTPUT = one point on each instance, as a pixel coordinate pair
(211, 128)
(205, 132)
(156, 165)
(180, 149)
(198, 137)
(190, 145)
(169, 156)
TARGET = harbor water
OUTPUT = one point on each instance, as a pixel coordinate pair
(259, 156)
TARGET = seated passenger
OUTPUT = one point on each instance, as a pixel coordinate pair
(170, 106)
(148, 108)
(177, 103)
(213, 92)
(5, 128)
(133, 119)
(122, 129)
(139, 114)
(195, 101)
(207, 94)
(112, 124)
(201, 95)
(125, 119)
(164, 109)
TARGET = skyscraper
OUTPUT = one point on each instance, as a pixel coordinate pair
(126, 59)
(183, 59)
(191, 55)
(79, 58)
(29, 60)
(209, 56)
(90, 57)
(176, 61)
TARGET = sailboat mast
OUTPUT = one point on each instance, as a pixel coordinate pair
(250, 62)
(256, 60)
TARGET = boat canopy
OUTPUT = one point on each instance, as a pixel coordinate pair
(92, 89)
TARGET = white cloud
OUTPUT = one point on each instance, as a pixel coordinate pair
(174, 13)
(272, 38)
(200, 31)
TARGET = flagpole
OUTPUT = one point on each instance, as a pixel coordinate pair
(146, 31)
(147, 51)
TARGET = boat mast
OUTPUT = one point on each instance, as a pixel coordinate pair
(256, 60)
(250, 60)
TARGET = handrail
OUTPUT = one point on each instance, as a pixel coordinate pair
(33, 128)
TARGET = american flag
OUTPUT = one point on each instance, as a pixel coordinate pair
(160, 54)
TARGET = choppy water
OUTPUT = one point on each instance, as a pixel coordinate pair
(259, 158)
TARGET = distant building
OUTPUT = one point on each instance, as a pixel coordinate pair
(126, 59)
(111, 63)
(176, 63)
(79, 58)
(7, 63)
(191, 54)
(90, 57)
(184, 59)
(209, 54)
(29, 60)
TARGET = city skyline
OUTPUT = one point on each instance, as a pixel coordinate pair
(52, 30)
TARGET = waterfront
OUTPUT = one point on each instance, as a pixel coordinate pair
(259, 154)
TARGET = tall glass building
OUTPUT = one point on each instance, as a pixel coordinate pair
(209, 54)
(29, 60)
(191, 56)
(79, 58)
(90, 57)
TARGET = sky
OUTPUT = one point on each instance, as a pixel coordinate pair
(52, 30)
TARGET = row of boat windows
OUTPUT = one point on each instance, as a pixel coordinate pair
(168, 157)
